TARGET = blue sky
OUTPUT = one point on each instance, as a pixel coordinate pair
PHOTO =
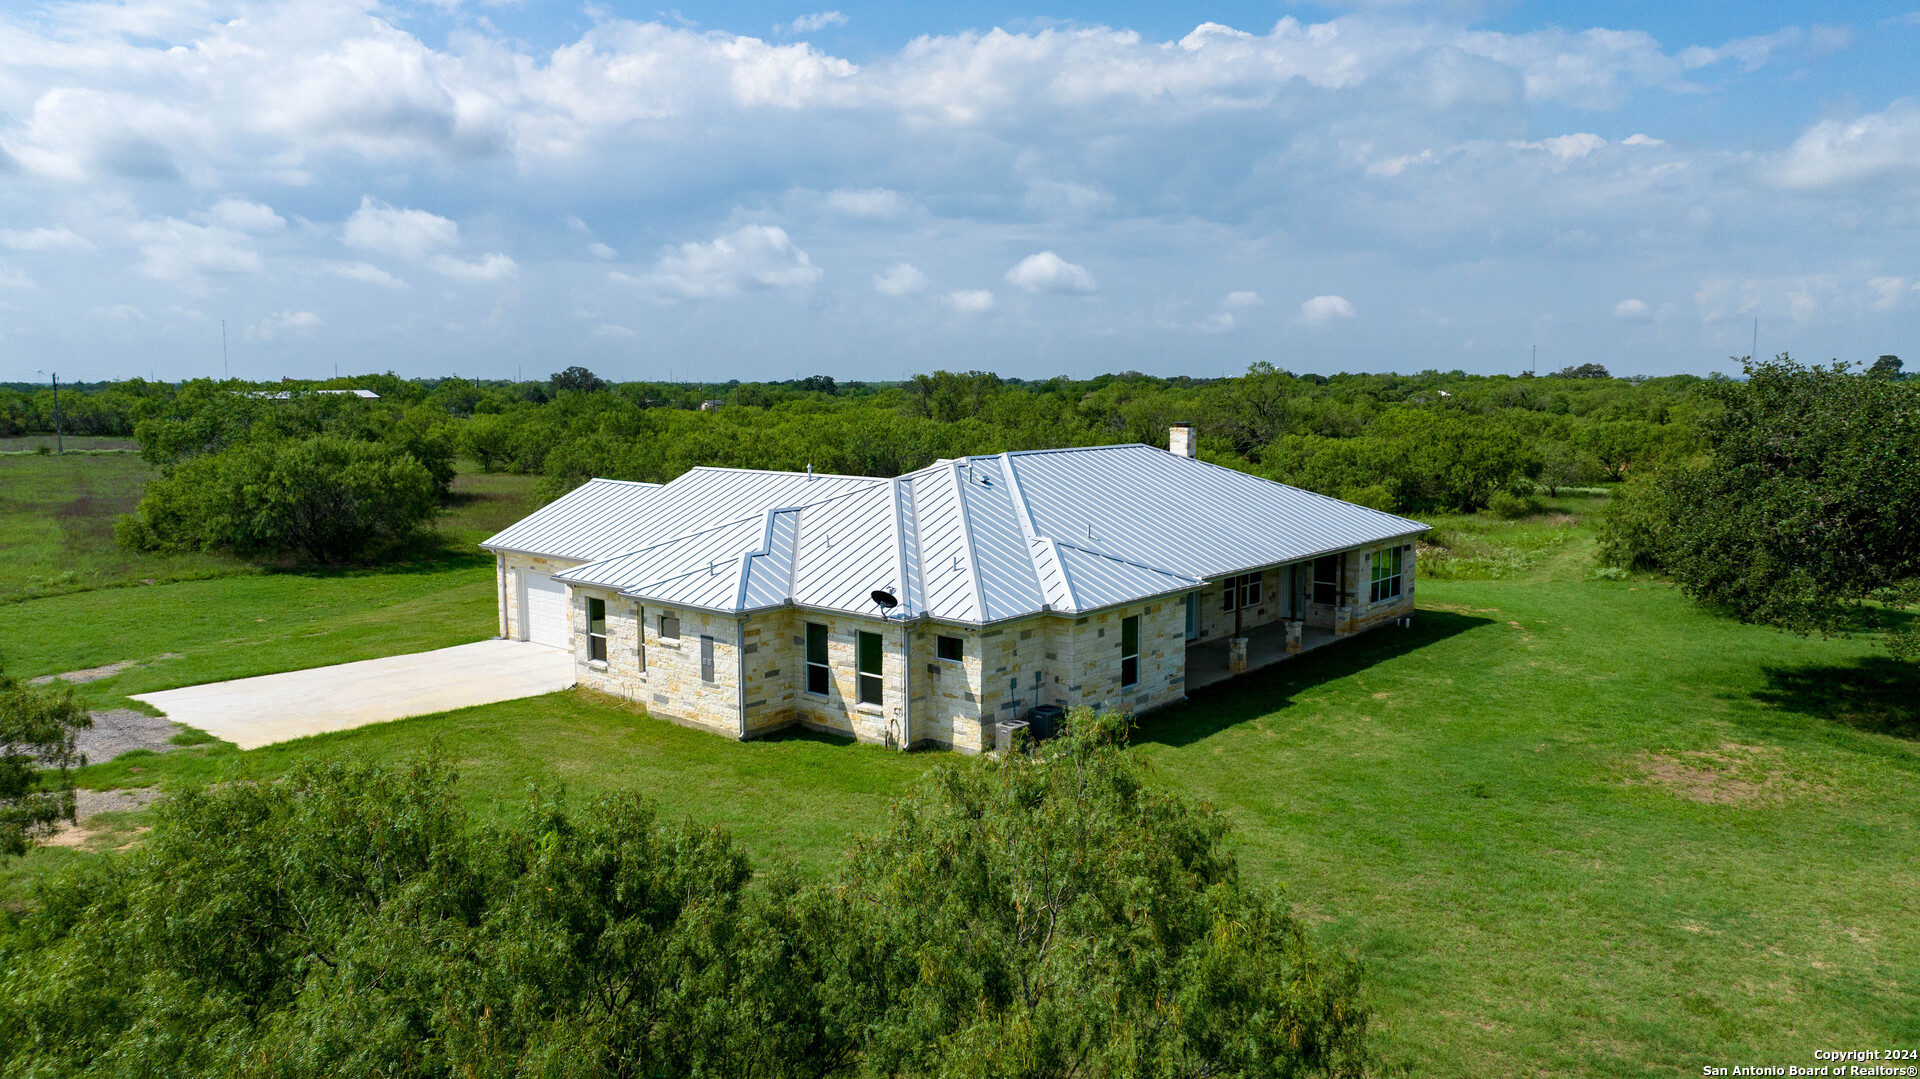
(766, 190)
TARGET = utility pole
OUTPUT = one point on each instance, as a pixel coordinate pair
(59, 439)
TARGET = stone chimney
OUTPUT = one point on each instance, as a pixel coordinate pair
(1180, 440)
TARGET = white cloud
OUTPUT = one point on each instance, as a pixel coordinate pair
(365, 272)
(120, 312)
(1888, 291)
(54, 239)
(1324, 309)
(876, 203)
(1243, 299)
(602, 251)
(282, 324)
(1750, 52)
(237, 213)
(14, 279)
(1837, 152)
(181, 251)
(750, 258)
(970, 301)
(1396, 165)
(490, 267)
(1827, 40)
(611, 330)
(899, 279)
(1218, 322)
(412, 234)
(1048, 272)
(1632, 311)
(1566, 148)
(1642, 140)
(807, 24)
(1064, 198)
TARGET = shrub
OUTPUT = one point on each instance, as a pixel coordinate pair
(1511, 506)
(37, 729)
(327, 499)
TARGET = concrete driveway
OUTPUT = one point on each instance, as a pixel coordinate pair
(254, 712)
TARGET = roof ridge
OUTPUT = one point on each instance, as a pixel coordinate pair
(1096, 552)
(782, 472)
(630, 483)
(1025, 516)
(1314, 494)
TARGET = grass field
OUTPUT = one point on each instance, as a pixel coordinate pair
(1576, 827)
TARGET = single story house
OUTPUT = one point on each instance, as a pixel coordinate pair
(923, 609)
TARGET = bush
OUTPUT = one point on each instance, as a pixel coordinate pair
(1511, 506)
(352, 920)
(327, 499)
(37, 729)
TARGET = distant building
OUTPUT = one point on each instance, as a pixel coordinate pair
(286, 394)
(928, 608)
(709, 406)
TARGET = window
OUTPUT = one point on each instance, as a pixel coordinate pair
(872, 687)
(1130, 650)
(1386, 575)
(1240, 590)
(597, 630)
(669, 627)
(818, 677)
(640, 637)
(950, 648)
(1326, 580)
(706, 658)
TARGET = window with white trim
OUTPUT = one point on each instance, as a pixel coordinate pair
(597, 630)
(819, 675)
(1130, 650)
(1240, 590)
(869, 656)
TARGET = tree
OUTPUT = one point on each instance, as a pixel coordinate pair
(1585, 370)
(1885, 367)
(1057, 913)
(328, 499)
(37, 730)
(578, 379)
(1801, 506)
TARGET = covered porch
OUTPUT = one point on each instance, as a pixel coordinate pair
(1266, 646)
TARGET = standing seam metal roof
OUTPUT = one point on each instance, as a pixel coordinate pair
(979, 539)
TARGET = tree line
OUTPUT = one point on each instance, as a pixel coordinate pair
(1052, 913)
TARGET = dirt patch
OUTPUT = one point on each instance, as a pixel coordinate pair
(1734, 774)
(121, 729)
(90, 674)
(90, 804)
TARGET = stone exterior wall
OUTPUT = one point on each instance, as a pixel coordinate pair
(670, 686)
(1217, 622)
(508, 569)
(839, 708)
(1361, 613)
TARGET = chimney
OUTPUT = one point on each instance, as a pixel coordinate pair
(1180, 440)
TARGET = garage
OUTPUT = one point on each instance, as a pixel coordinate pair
(546, 607)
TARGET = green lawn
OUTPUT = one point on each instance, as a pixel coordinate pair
(1576, 827)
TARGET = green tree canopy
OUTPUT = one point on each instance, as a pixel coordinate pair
(37, 729)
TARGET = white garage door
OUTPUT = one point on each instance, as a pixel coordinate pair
(546, 610)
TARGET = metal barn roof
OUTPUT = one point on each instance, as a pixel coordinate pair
(979, 540)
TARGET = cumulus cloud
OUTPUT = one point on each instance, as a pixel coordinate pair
(237, 213)
(282, 324)
(602, 251)
(807, 24)
(876, 203)
(45, 239)
(10, 278)
(751, 258)
(1566, 148)
(1632, 311)
(1048, 272)
(486, 269)
(1751, 53)
(1322, 310)
(1838, 152)
(411, 234)
(1243, 299)
(1642, 140)
(900, 279)
(970, 301)
(1888, 291)
(367, 273)
(181, 251)
(1218, 322)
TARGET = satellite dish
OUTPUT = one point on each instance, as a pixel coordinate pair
(884, 599)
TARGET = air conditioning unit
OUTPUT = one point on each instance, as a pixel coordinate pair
(1006, 734)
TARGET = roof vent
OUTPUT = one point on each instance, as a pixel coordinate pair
(1180, 440)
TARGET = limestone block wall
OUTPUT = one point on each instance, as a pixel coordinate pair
(1093, 642)
(775, 669)
(839, 708)
(1362, 614)
(946, 693)
(670, 685)
(508, 570)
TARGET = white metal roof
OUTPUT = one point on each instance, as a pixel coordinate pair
(981, 539)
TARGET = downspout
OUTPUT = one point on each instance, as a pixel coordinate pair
(740, 671)
(500, 570)
(906, 706)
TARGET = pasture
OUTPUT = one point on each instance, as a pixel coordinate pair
(1574, 826)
